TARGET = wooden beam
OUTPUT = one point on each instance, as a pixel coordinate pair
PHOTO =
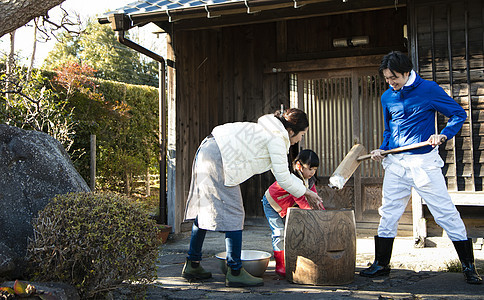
(175, 206)
(467, 198)
(419, 222)
(324, 64)
(356, 140)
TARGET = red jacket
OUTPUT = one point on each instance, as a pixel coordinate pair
(280, 200)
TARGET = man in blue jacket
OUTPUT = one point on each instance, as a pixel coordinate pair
(409, 107)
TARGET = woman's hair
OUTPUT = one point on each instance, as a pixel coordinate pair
(293, 118)
(396, 61)
(309, 158)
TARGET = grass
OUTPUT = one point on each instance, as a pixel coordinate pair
(456, 266)
(453, 266)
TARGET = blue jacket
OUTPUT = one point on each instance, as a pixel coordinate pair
(409, 114)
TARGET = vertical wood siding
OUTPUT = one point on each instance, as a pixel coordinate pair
(449, 49)
(313, 37)
(220, 79)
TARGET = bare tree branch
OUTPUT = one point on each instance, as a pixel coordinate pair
(30, 104)
(15, 87)
(69, 22)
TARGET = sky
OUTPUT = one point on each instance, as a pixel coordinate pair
(86, 9)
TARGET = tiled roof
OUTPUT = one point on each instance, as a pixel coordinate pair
(145, 6)
(141, 12)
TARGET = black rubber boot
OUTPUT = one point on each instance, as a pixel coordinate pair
(383, 253)
(466, 257)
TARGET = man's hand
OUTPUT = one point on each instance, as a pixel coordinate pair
(376, 155)
(313, 200)
(437, 139)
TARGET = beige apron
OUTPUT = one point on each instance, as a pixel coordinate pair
(218, 207)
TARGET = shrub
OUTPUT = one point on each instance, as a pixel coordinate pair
(94, 241)
(125, 122)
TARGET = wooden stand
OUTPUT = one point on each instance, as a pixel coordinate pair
(320, 246)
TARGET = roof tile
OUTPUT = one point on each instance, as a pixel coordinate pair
(142, 6)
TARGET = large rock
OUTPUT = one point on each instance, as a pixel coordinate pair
(34, 167)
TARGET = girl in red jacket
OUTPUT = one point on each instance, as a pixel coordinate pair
(276, 201)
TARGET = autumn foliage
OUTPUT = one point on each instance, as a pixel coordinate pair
(74, 77)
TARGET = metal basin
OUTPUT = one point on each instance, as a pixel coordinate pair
(255, 262)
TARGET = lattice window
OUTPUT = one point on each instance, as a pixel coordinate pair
(330, 105)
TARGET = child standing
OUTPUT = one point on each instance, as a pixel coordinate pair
(276, 201)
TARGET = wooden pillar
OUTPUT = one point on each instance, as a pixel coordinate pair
(147, 182)
(355, 102)
(92, 168)
(418, 221)
(175, 205)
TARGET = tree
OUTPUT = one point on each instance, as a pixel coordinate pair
(98, 47)
(44, 28)
(16, 13)
(34, 105)
(65, 51)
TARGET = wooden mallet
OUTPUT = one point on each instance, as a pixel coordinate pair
(356, 155)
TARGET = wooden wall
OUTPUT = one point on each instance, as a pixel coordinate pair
(312, 38)
(448, 48)
(220, 80)
(220, 75)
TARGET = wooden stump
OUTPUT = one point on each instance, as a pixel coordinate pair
(320, 246)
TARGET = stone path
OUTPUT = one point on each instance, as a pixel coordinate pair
(418, 273)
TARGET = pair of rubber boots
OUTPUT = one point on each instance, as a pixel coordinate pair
(383, 253)
(234, 278)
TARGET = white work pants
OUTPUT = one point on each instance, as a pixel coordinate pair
(422, 172)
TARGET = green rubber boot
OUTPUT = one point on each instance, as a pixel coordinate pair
(193, 270)
(243, 278)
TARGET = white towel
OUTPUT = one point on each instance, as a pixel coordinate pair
(417, 164)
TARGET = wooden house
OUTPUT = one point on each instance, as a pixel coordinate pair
(235, 60)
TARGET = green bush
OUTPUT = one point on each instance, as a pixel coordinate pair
(95, 242)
